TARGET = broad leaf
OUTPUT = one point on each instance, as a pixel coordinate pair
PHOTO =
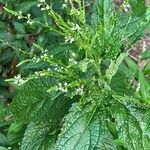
(34, 103)
(38, 137)
(84, 128)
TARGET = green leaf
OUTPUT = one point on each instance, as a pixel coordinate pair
(101, 10)
(19, 27)
(113, 67)
(40, 105)
(146, 54)
(138, 7)
(144, 86)
(3, 140)
(3, 148)
(26, 6)
(15, 133)
(147, 69)
(129, 130)
(83, 128)
(38, 137)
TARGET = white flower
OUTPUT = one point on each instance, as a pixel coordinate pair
(19, 17)
(18, 77)
(65, 84)
(64, 6)
(80, 90)
(63, 88)
(29, 22)
(51, 56)
(69, 39)
(38, 60)
(73, 54)
(38, 5)
(138, 87)
(20, 12)
(9, 147)
(43, 9)
(47, 7)
(28, 15)
(76, 27)
(48, 69)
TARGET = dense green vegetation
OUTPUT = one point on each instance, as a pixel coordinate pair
(67, 79)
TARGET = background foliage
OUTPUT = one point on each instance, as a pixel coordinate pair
(72, 84)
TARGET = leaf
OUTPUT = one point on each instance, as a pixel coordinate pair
(147, 69)
(132, 68)
(38, 104)
(138, 7)
(3, 148)
(3, 140)
(19, 27)
(146, 54)
(113, 67)
(144, 86)
(26, 6)
(101, 9)
(82, 129)
(38, 137)
(129, 130)
(15, 133)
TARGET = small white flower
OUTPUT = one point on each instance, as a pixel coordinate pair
(38, 60)
(45, 55)
(126, 7)
(47, 7)
(69, 39)
(20, 12)
(138, 87)
(73, 54)
(29, 22)
(51, 56)
(62, 68)
(28, 15)
(48, 69)
(65, 84)
(43, 9)
(76, 27)
(38, 5)
(64, 6)
(9, 147)
(65, 90)
(19, 17)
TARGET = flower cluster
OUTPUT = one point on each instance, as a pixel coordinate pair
(43, 5)
(29, 21)
(62, 87)
(79, 90)
(19, 80)
(69, 39)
